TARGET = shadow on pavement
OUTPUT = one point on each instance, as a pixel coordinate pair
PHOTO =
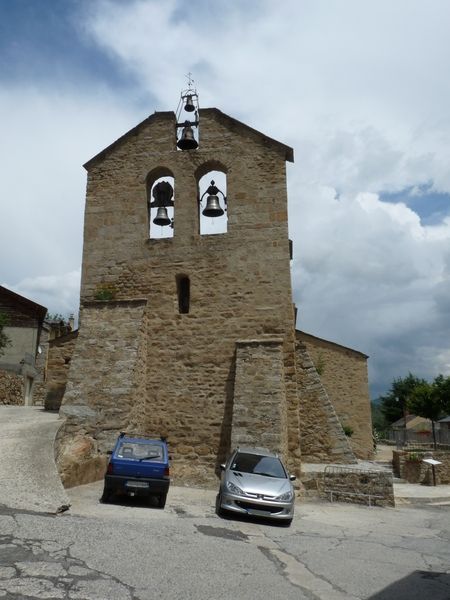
(417, 586)
(136, 501)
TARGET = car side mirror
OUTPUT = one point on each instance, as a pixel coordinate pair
(109, 452)
(222, 467)
(292, 477)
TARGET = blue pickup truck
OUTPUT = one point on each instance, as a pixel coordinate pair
(138, 466)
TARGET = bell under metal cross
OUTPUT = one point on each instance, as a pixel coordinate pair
(189, 106)
(162, 194)
(213, 208)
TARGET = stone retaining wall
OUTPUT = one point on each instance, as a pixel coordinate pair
(409, 465)
(357, 486)
(11, 388)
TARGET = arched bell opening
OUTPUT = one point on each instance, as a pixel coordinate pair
(213, 204)
(160, 203)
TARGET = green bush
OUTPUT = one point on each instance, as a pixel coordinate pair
(348, 430)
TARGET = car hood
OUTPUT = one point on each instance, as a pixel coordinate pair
(259, 484)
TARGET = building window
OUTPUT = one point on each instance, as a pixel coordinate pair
(183, 291)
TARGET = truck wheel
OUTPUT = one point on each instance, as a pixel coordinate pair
(162, 500)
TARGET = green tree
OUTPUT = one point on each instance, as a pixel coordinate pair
(442, 390)
(378, 419)
(430, 400)
(4, 339)
(394, 403)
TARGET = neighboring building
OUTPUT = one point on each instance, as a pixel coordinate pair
(192, 336)
(420, 430)
(20, 370)
(413, 423)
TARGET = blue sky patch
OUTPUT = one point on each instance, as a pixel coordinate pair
(431, 206)
(42, 41)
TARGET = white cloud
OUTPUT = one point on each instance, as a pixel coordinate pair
(47, 137)
(59, 294)
(376, 278)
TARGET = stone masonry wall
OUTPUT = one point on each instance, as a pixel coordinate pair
(343, 372)
(259, 406)
(357, 486)
(100, 393)
(322, 437)
(240, 286)
(60, 353)
(11, 388)
(409, 465)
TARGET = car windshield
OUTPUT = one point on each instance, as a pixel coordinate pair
(139, 451)
(269, 466)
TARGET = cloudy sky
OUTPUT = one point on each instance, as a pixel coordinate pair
(359, 88)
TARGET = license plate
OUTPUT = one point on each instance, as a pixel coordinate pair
(257, 513)
(136, 484)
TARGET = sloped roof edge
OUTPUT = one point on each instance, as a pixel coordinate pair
(170, 115)
(287, 150)
(134, 131)
(32, 306)
(332, 343)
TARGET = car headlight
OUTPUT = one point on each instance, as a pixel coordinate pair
(285, 497)
(234, 489)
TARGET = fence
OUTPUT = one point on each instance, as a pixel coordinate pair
(403, 437)
(358, 485)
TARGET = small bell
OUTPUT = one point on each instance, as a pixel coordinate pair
(189, 106)
(162, 218)
(213, 208)
(187, 140)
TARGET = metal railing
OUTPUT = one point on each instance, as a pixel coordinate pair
(354, 482)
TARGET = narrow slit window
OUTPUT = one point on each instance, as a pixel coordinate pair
(184, 291)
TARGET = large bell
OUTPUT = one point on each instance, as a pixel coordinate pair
(213, 208)
(162, 218)
(189, 106)
(187, 140)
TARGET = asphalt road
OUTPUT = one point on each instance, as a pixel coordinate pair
(134, 551)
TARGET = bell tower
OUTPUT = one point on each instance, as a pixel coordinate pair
(186, 327)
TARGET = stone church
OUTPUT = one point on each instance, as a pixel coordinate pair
(190, 334)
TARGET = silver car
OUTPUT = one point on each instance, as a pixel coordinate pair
(255, 482)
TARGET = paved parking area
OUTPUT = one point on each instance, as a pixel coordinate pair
(131, 550)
